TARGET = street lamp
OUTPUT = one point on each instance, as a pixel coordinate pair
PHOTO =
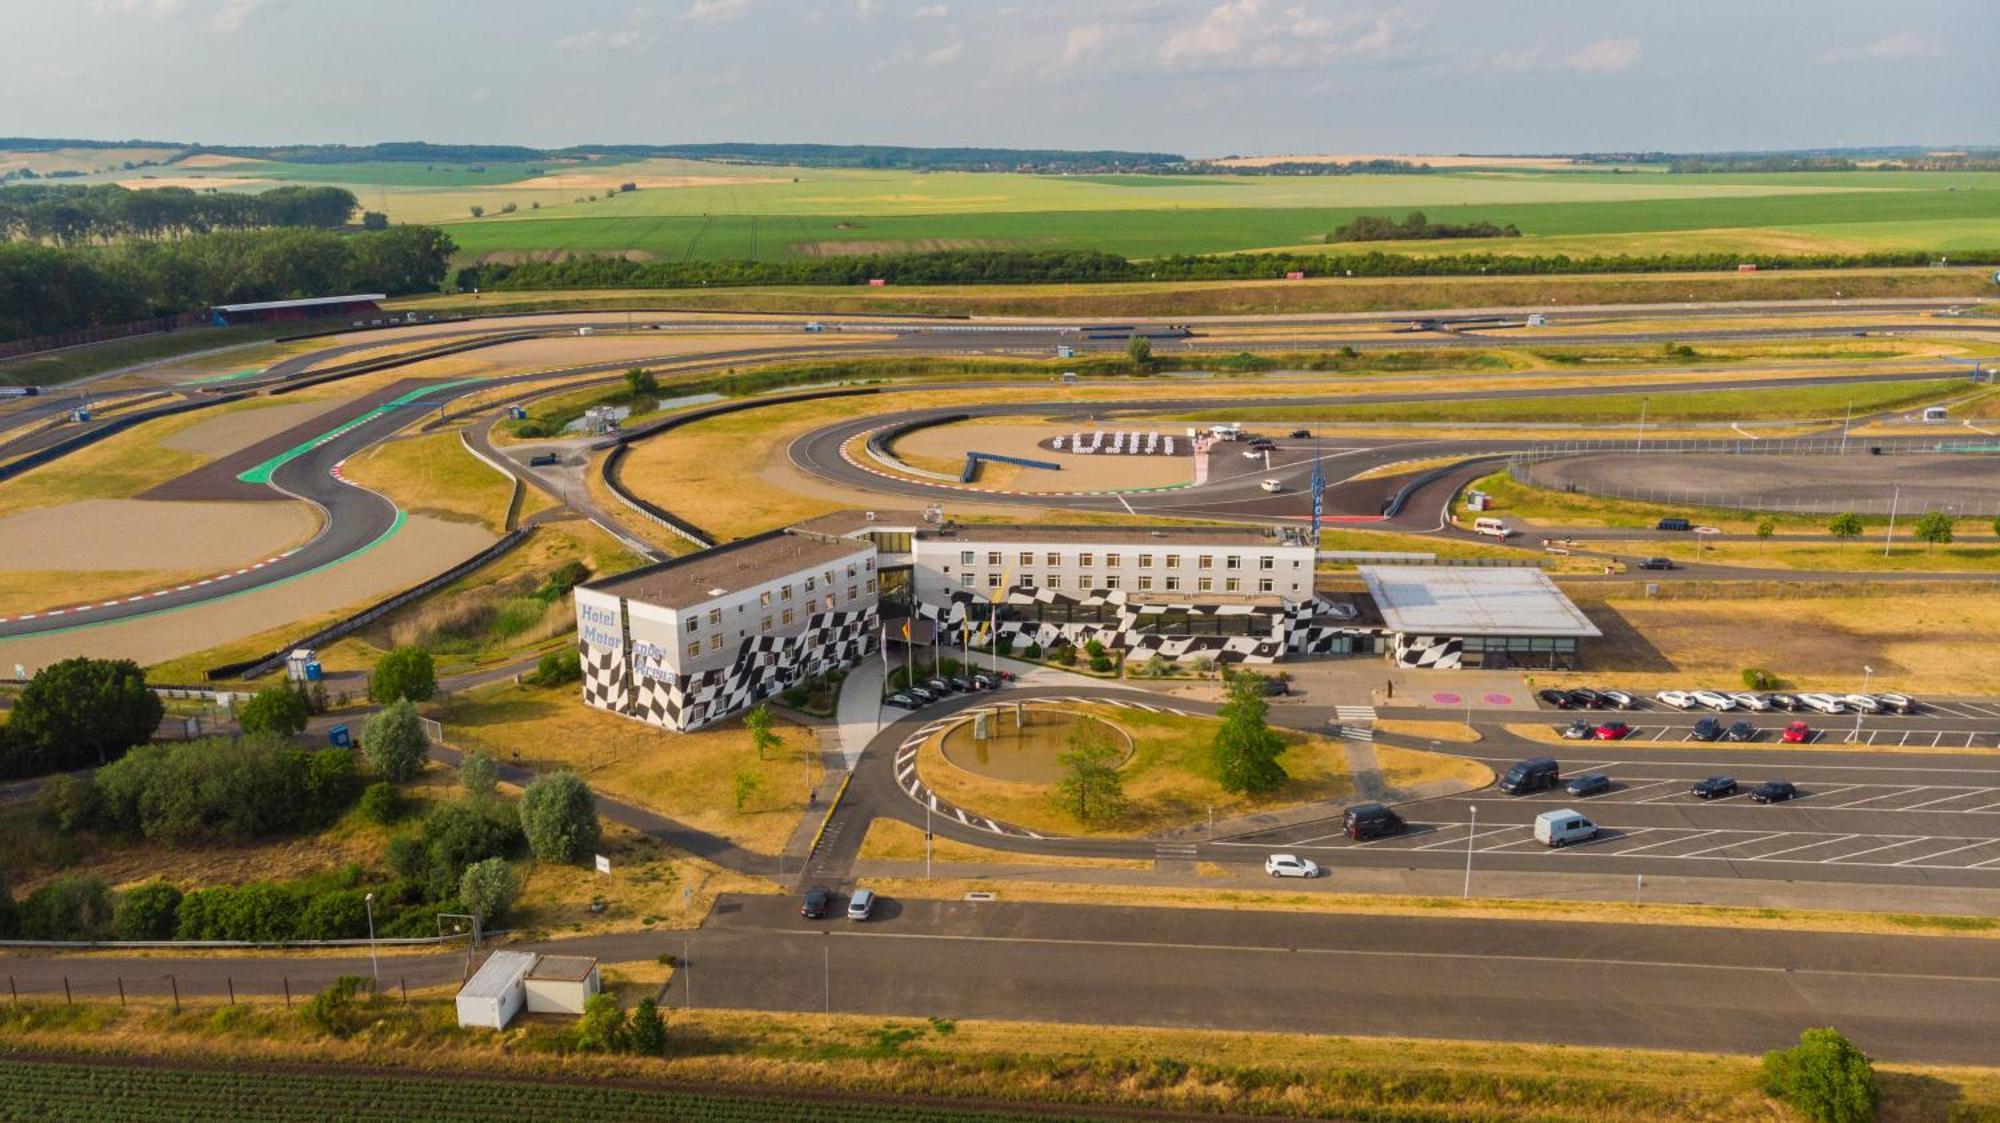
(374, 965)
(1867, 672)
(1472, 833)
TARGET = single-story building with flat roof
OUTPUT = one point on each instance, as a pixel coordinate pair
(1464, 616)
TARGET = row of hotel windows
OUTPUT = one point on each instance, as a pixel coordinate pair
(1170, 583)
(1087, 559)
(786, 617)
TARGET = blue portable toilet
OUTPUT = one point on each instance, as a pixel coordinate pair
(518, 413)
(338, 737)
(313, 671)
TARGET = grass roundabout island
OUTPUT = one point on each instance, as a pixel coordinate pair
(1025, 744)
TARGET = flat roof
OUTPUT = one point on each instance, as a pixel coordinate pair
(500, 972)
(728, 568)
(308, 302)
(563, 968)
(853, 522)
(1109, 535)
(1473, 601)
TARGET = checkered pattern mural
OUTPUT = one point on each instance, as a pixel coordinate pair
(1441, 653)
(764, 665)
(1291, 630)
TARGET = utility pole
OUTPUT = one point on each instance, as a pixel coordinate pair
(1472, 833)
(1845, 426)
(1895, 498)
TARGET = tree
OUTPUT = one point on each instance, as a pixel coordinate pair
(1246, 747)
(147, 912)
(374, 220)
(81, 712)
(279, 711)
(1091, 788)
(1935, 528)
(1845, 527)
(1824, 1077)
(72, 907)
(407, 672)
(1139, 350)
(478, 775)
(478, 211)
(487, 888)
(381, 803)
(394, 743)
(559, 816)
(641, 383)
(758, 722)
(648, 1030)
(1765, 529)
(68, 803)
(603, 1028)
(745, 784)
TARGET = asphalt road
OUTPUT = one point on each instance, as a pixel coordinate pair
(1703, 989)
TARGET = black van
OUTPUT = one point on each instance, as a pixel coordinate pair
(1531, 775)
(1675, 524)
(1364, 821)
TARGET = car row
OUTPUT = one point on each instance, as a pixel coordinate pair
(1591, 731)
(1583, 698)
(1722, 787)
(1543, 772)
(818, 902)
(1757, 702)
(932, 690)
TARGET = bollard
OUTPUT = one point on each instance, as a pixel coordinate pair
(177, 992)
(232, 989)
(288, 992)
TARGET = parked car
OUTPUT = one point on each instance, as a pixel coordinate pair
(1557, 698)
(816, 902)
(1590, 783)
(1714, 700)
(1579, 730)
(1290, 865)
(938, 686)
(1862, 703)
(962, 685)
(1797, 733)
(1272, 487)
(1613, 731)
(1823, 703)
(1587, 699)
(1531, 775)
(1560, 828)
(1897, 703)
(902, 701)
(1741, 731)
(986, 682)
(1657, 563)
(1755, 703)
(861, 906)
(1715, 787)
(1783, 701)
(1707, 729)
(1620, 699)
(1674, 524)
(1774, 791)
(544, 460)
(1254, 453)
(1364, 821)
(923, 695)
(1302, 434)
(1678, 699)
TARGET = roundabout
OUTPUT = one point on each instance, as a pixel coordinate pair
(1025, 743)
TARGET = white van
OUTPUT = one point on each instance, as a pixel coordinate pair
(1226, 432)
(1495, 528)
(1560, 828)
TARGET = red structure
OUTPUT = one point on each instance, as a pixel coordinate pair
(276, 311)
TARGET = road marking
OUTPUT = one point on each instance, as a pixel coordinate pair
(1873, 849)
(1808, 846)
(1668, 842)
(1761, 836)
(1942, 853)
(1961, 794)
(1488, 833)
(1902, 789)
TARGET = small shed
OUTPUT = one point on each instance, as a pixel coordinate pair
(561, 984)
(495, 992)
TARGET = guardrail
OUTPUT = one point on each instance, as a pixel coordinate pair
(651, 512)
(110, 428)
(513, 518)
(1400, 498)
(390, 362)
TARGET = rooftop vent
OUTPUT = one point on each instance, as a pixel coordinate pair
(717, 592)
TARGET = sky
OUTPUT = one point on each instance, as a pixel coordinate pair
(1197, 77)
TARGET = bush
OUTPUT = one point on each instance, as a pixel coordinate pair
(648, 1034)
(340, 914)
(567, 576)
(1824, 1077)
(406, 673)
(394, 742)
(341, 1008)
(72, 907)
(258, 912)
(278, 711)
(147, 912)
(488, 888)
(453, 837)
(223, 789)
(1100, 663)
(1094, 648)
(1756, 679)
(1066, 655)
(603, 1027)
(79, 712)
(557, 668)
(382, 803)
(559, 817)
(67, 803)
(1033, 652)
(478, 775)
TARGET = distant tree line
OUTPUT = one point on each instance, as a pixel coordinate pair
(1306, 167)
(44, 289)
(1415, 227)
(72, 214)
(999, 267)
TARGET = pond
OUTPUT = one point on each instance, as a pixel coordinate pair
(1025, 744)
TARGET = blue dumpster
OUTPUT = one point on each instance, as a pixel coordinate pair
(338, 738)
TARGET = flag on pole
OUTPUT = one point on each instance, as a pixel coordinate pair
(1319, 488)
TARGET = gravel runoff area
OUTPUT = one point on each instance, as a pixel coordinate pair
(1968, 483)
(137, 534)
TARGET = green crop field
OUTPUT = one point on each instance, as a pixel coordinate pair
(694, 210)
(43, 1090)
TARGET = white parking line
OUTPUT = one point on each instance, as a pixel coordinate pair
(1903, 789)
(1668, 842)
(1873, 849)
(1461, 841)
(1828, 792)
(1760, 837)
(1808, 846)
(1960, 794)
(1942, 853)
(1530, 837)
(1984, 864)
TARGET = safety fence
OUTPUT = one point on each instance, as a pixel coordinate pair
(109, 428)
(83, 337)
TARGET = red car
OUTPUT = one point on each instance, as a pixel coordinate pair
(1797, 733)
(1613, 731)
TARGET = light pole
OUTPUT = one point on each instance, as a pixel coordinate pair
(1867, 672)
(1895, 500)
(1643, 403)
(374, 965)
(1844, 426)
(1472, 833)
(927, 840)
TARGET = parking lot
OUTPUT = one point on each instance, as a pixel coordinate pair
(1933, 798)
(1841, 733)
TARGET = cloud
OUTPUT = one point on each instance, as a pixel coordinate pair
(945, 55)
(866, 9)
(1219, 34)
(715, 11)
(1084, 40)
(1238, 33)
(933, 11)
(1901, 46)
(141, 7)
(233, 12)
(594, 41)
(1604, 56)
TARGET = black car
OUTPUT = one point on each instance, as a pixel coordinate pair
(902, 701)
(1707, 729)
(1715, 787)
(923, 696)
(986, 682)
(938, 686)
(1531, 775)
(959, 684)
(1657, 563)
(1302, 434)
(1557, 698)
(1741, 731)
(1774, 791)
(1371, 820)
(1590, 783)
(818, 898)
(1675, 524)
(1783, 701)
(1583, 698)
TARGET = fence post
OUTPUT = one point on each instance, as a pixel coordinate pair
(121, 990)
(232, 990)
(288, 991)
(403, 985)
(68, 999)
(176, 983)
(13, 990)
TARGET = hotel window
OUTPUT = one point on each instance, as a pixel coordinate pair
(1027, 557)
(715, 616)
(1085, 560)
(1026, 580)
(694, 648)
(992, 580)
(785, 592)
(992, 557)
(829, 602)
(766, 626)
(1055, 581)
(1267, 562)
(853, 592)
(965, 580)
(965, 557)
(1232, 585)
(1173, 561)
(829, 576)
(871, 584)
(1111, 560)
(1145, 561)
(1111, 581)
(764, 599)
(787, 618)
(1205, 561)
(1233, 561)
(1263, 584)
(715, 642)
(1145, 583)
(694, 625)
(868, 564)
(852, 569)
(1054, 559)
(1173, 584)
(811, 584)
(1204, 584)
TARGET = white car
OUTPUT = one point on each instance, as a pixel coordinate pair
(1714, 700)
(1823, 703)
(1253, 454)
(1273, 486)
(1862, 703)
(1290, 865)
(1755, 703)
(1678, 699)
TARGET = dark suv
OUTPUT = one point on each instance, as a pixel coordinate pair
(1531, 775)
(1364, 821)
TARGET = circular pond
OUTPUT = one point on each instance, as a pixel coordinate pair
(1025, 745)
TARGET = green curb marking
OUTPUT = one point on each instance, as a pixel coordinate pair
(261, 474)
(247, 373)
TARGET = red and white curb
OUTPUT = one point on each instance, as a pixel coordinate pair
(853, 463)
(80, 609)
